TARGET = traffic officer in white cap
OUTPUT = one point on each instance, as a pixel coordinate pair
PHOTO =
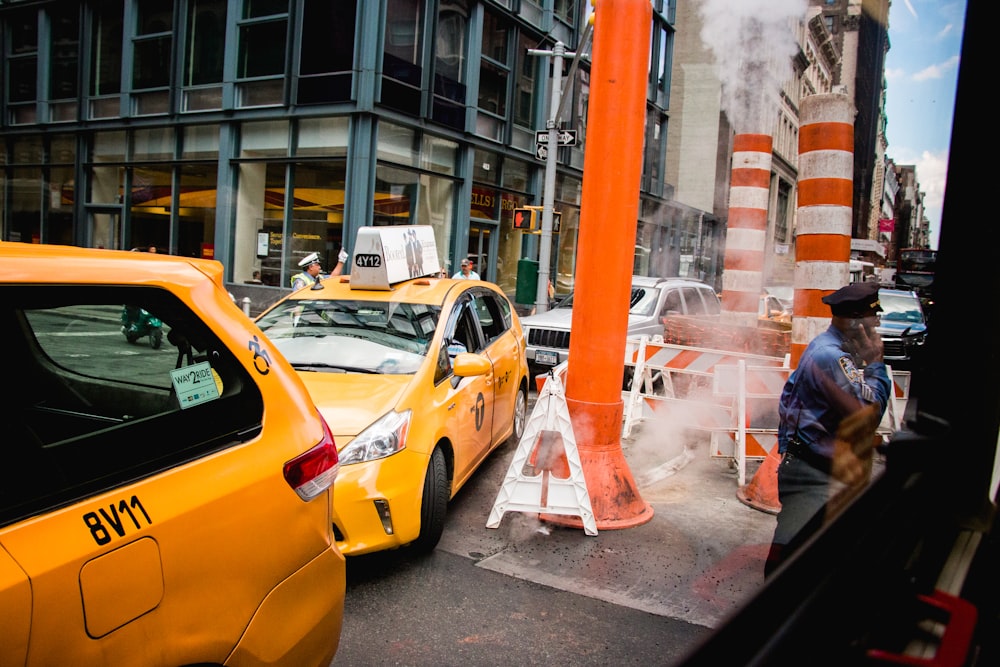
(311, 271)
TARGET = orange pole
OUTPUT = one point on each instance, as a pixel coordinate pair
(605, 250)
(822, 245)
(825, 200)
(743, 278)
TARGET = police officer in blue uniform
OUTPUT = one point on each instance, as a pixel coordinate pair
(829, 410)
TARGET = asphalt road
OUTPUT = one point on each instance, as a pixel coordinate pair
(442, 609)
(532, 593)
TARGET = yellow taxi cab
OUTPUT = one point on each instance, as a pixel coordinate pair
(420, 377)
(160, 504)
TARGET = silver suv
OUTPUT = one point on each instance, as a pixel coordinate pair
(652, 299)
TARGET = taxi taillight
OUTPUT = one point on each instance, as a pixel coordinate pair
(313, 472)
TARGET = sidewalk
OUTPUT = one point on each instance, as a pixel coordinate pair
(696, 560)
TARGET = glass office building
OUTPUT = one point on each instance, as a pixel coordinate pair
(257, 131)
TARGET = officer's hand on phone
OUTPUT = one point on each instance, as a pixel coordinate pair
(868, 341)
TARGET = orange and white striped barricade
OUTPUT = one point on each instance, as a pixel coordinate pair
(892, 420)
(753, 393)
(664, 374)
(546, 473)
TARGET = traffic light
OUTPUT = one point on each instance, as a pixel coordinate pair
(526, 219)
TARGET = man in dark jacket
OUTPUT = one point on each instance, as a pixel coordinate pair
(829, 410)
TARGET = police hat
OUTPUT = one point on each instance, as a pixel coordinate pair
(854, 300)
(309, 259)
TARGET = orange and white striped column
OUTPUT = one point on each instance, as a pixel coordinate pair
(823, 226)
(746, 231)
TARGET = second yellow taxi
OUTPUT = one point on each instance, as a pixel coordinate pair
(420, 377)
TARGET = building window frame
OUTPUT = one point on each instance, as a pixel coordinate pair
(262, 54)
(151, 49)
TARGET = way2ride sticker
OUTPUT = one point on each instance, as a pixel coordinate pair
(195, 384)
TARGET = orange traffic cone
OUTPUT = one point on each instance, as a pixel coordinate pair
(761, 493)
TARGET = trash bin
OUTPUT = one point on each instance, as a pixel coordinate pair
(527, 281)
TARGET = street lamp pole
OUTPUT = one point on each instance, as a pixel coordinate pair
(548, 191)
(558, 102)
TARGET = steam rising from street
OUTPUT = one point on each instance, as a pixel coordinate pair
(753, 42)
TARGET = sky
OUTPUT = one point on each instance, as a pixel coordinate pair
(921, 71)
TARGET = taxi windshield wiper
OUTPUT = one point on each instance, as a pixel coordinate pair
(320, 366)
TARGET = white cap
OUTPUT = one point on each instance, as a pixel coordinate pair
(308, 259)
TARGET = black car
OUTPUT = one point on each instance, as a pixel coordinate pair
(903, 328)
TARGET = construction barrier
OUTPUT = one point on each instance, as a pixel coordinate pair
(739, 407)
(664, 376)
(892, 420)
(546, 475)
(752, 393)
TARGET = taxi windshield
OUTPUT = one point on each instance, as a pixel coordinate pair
(385, 337)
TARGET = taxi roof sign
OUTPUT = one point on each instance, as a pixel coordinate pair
(384, 256)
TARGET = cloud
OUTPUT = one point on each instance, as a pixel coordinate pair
(932, 174)
(937, 71)
(894, 73)
(910, 7)
(944, 32)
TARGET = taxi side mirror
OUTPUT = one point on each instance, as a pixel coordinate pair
(467, 364)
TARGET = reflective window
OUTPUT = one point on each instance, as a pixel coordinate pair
(260, 67)
(524, 92)
(449, 63)
(106, 59)
(151, 203)
(204, 54)
(406, 197)
(22, 67)
(153, 144)
(494, 77)
(151, 64)
(196, 210)
(323, 136)
(327, 57)
(64, 66)
(25, 205)
(564, 9)
(200, 141)
(401, 67)
(317, 210)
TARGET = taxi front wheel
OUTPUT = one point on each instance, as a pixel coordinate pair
(520, 415)
(434, 504)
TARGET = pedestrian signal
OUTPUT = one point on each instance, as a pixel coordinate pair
(526, 219)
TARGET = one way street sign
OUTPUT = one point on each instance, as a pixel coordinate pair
(564, 137)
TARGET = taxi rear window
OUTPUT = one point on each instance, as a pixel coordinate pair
(90, 408)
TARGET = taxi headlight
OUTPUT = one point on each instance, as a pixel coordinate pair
(383, 438)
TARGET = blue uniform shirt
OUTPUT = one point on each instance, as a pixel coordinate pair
(825, 387)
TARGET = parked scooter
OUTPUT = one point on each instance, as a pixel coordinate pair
(138, 323)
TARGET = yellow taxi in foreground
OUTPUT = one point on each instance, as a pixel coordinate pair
(164, 503)
(420, 378)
